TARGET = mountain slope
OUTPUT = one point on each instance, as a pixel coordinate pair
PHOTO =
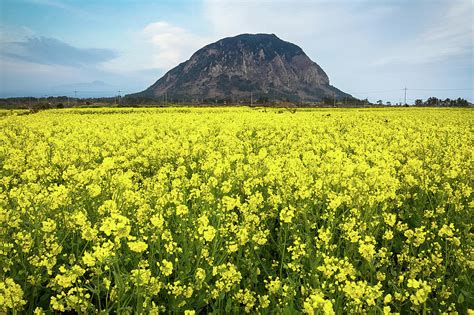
(236, 68)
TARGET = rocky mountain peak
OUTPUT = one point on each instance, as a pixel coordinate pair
(234, 68)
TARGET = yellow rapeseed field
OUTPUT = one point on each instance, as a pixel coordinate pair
(232, 210)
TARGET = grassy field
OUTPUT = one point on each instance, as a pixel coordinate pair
(232, 210)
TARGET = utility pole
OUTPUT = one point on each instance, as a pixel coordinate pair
(334, 95)
(405, 95)
(251, 98)
(75, 96)
(119, 96)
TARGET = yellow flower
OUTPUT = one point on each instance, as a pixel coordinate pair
(166, 267)
(264, 301)
(181, 210)
(88, 259)
(157, 221)
(446, 231)
(205, 229)
(11, 296)
(388, 235)
(200, 275)
(229, 276)
(69, 277)
(367, 248)
(324, 235)
(247, 298)
(209, 233)
(274, 286)
(421, 292)
(116, 225)
(138, 246)
(315, 302)
(233, 247)
(287, 214)
(94, 190)
(49, 226)
(390, 219)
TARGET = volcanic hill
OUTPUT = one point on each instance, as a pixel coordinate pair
(257, 66)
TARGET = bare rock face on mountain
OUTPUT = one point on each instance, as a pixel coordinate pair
(257, 66)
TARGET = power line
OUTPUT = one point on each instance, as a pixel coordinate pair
(380, 91)
(82, 91)
(442, 89)
(410, 89)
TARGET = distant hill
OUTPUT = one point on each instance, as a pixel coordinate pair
(95, 88)
(261, 66)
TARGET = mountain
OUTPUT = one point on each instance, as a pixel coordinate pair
(261, 66)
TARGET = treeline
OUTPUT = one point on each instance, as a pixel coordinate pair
(345, 101)
(35, 104)
(433, 101)
(42, 103)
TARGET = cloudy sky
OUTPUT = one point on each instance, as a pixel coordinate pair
(368, 48)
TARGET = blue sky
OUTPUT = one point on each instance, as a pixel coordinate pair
(368, 48)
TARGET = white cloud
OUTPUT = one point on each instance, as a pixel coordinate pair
(63, 6)
(46, 50)
(291, 19)
(446, 37)
(153, 50)
(171, 44)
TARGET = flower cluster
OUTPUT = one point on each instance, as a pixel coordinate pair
(232, 210)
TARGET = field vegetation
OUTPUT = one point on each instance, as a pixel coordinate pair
(232, 210)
